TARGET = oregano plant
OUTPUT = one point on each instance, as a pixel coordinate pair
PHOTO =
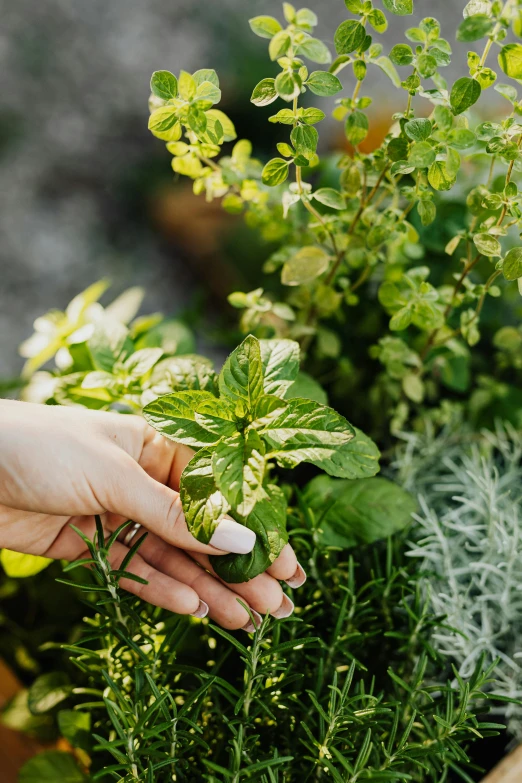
(336, 237)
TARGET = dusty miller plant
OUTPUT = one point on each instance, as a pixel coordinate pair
(467, 544)
(335, 240)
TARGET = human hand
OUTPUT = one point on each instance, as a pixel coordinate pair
(63, 465)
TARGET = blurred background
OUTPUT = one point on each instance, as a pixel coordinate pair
(87, 192)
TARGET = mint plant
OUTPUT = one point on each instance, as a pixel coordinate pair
(239, 435)
(338, 237)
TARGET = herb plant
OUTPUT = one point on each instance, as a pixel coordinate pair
(238, 437)
(334, 241)
(348, 689)
(466, 542)
(358, 684)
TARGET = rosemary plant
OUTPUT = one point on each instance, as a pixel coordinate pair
(349, 689)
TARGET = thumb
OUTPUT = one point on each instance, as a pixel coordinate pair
(135, 495)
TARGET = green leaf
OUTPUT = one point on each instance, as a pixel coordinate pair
(52, 766)
(109, 343)
(350, 513)
(399, 7)
(280, 362)
(330, 198)
(421, 154)
(324, 83)
(512, 266)
(18, 566)
(378, 20)
(307, 387)
(315, 50)
(413, 387)
(187, 86)
(206, 75)
(203, 504)
(279, 45)
(47, 691)
(359, 458)
(510, 60)
(401, 54)
(426, 65)
(305, 138)
(207, 91)
(174, 415)
(474, 27)
(284, 116)
(75, 726)
(288, 85)
(349, 36)
(439, 177)
(303, 432)
(275, 172)
(427, 212)
(304, 266)
(264, 26)
(141, 362)
(238, 465)
(386, 65)
(241, 379)
(418, 130)
(488, 245)
(216, 415)
(164, 84)
(356, 127)
(464, 93)
(268, 522)
(164, 123)
(215, 116)
(311, 116)
(264, 93)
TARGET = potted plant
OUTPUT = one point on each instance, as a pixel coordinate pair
(356, 685)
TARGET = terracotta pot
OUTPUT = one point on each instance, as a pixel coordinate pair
(509, 770)
(15, 748)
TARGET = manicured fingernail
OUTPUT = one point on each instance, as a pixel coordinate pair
(298, 579)
(285, 610)
(250, 627)
(201, 611)
(233, 537)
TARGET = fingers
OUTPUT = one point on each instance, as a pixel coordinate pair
(162, 589)
(263, 593)
(223, 605)
(133, 494)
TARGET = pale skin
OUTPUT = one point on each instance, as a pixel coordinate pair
(63, 465)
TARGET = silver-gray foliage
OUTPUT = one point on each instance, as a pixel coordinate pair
(468, 540)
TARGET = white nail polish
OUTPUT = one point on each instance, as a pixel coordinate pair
(233, 537)
(201, 611)
(250, 627)
(285, 610)
(298, 579)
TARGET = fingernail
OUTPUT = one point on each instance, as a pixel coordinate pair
(285, 610)
(298, 579)
(233, 537)
(250, 627)
(201, 611)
